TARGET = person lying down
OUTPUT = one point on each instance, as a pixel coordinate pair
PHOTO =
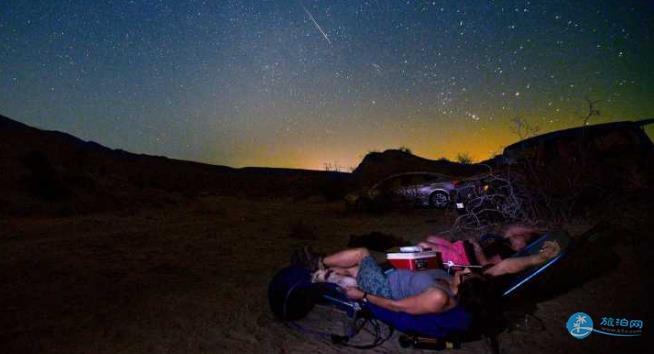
(489, 255)
(506, 266)
(425, 292)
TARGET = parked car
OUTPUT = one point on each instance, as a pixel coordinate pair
(485, 196)
(423, 189)
(469, 194)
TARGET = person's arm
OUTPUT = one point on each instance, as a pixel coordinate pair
(514, 265)
(517, 264)
(425, 245)
(433, 300)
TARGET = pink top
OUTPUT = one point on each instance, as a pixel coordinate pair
(450, 251)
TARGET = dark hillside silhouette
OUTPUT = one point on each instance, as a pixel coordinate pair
(54, 172)
(377, 165)
(608, 138)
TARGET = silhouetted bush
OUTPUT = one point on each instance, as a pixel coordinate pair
(464, 158)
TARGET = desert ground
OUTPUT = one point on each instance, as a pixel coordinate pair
(192, 278)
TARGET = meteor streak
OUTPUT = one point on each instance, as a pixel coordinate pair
(316, 23)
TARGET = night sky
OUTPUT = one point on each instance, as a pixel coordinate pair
(304, 83)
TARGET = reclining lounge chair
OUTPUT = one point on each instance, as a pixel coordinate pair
(292, 295)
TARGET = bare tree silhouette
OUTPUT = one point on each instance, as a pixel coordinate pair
(592, 111)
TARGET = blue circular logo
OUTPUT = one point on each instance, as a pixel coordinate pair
(580, 325)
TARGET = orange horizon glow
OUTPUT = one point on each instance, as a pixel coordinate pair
(480, 145)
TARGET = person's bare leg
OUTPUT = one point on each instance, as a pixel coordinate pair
(346, 258)
(350, 272)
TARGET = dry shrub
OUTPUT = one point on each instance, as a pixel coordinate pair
(495, 199)
(581, 184)
(464, 158)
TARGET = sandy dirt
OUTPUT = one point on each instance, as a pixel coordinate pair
(193, 279)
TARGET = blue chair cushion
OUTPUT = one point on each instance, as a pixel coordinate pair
(445, 324)
(561, 237)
